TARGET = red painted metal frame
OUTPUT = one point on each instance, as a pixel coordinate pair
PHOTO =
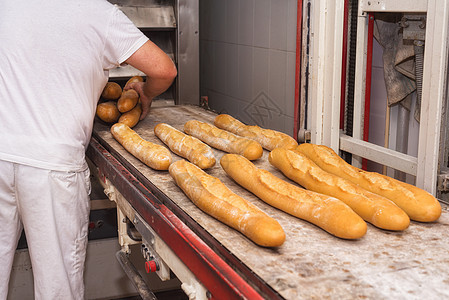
(297, 68)
(344, 60)
(219, 278)
(369, 67)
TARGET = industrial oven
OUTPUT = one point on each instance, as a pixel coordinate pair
(207, 259)
(213, 261)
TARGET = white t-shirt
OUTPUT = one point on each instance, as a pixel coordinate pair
(54, 62)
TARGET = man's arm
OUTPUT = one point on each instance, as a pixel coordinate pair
(160, 72)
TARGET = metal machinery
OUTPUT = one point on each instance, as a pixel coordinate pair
(215, 262)
(327, 19)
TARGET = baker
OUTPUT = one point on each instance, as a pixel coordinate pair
(54, 57)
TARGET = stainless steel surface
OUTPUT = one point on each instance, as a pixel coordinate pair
(188, 85)
(311, 263)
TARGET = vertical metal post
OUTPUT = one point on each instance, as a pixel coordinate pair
(325, 77)
(188, 81)
(434, 93)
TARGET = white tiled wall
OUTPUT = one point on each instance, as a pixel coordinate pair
(247, 57)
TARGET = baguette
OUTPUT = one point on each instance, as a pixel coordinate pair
(127, 101)
(268, 138)
(328, 213)
(153, 155)
(215, 199)
(373, 208)
(108, 112)
(134, 79)
(417, 203)
(131, 118)
(224, 140)
(185, 145)
(111, 91)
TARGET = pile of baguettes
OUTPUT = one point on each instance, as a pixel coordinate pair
(120, 105)
(337, 197)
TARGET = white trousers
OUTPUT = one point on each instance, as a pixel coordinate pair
(53, 209)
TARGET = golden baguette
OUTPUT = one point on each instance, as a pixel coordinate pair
(268, 138)
(111, 91)
(185, 145)
(417, 203)
(127, 100)
(108, 112)
(224, 140)
(373, 208)
(153, 155)
(215, 199)
(131, 118)
(324, 211)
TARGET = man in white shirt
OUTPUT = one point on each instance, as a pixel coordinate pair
(54, 62)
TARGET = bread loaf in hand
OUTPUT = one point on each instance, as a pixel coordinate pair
(417, 203)
(327, 212)
(224, 140)
(108, 112)
(214, 198)
(128, 100)
(153, 155)
(268, 138)
(185, 145)
(131, 118)
(134, 79)
(111, 91)
(373, 208)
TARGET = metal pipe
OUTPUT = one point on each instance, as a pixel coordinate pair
(296, 125)
(369, 67)
(132, 273)
(344, 63)
(402, 135)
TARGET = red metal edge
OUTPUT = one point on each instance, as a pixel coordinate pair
(344, 60)
(297, 68)
(210, 269)
(369, 67)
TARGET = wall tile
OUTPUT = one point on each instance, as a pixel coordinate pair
(278, 24)
(232, 70)
(219, 67)
(277, 77)
(262, 23)
(246, 22)
(245, 72)
(261, 70)
(292, 7)
(232, 18)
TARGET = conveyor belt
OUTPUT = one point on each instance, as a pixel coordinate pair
(311, 263)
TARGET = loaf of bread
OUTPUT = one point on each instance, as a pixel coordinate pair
(223, 140)
(127, 101)
(153, 155)
(108, 112)
(111, 91)
(327, 212)
(373, 208)
(134, 79)
(214, 198)
(417, 203)
(268, 138)
(185, 145)
(131, 118)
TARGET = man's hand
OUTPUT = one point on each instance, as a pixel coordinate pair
(144, 99)
(160, 72)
